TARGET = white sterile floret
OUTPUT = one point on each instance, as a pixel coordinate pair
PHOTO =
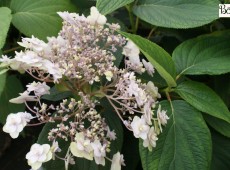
(23, 98)
(152, 90)
(99, 152)
(117, 161)
(162, 117)
(38, 154)
(16, 122)
(149, 67)
(130, 49)
(108, 75)
(82, 147)
(33, 43)
(151, 139)
(95, 17)
(38, 88)
(140, 127)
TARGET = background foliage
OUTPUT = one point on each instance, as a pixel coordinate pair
(189, 47)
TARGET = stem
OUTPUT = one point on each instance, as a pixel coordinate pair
(151, 32)
(131, 18)
(12, 49)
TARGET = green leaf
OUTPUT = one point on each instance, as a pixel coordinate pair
(219, 125)
(221, 150)
(184, 144)
(56, 95)
(208, 54)
(39, 17)
(159, 58)
(108, 6)
(5, 18)
(2, 82)
(204, 99)
(177, 13)
(12, 88)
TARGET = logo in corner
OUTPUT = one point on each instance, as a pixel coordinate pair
(224, 10)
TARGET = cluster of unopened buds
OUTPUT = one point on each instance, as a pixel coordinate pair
(82, 59)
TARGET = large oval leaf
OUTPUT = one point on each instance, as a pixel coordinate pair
(108, 6)
(209, 54)
(5, 18)
(177, 13)
(159, 58)
(221, 150)
(184, 144)
(204, 99)
(39, 17)
(219, 125)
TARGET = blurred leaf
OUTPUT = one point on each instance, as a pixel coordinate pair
(84, 4)
(56, 95)
(177, 14)
(208, 54)
(12, 87)
(5, 18)
(221, 150)
(39, 17)
(2, 82)
(159, 58)
(219, 125)
(204, 99)
(108, 6)
(184, 144)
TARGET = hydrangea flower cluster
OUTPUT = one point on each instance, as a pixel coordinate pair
(81, 58)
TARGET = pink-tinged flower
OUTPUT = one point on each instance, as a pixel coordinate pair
(151, 139)
(111, 134)
(149, 67)
(23, 98)
(95, 17)
(38, 154)
(140, 127)
(38, 88)
(82, 147)
(99, 152)
(16, 122)
(117, 161)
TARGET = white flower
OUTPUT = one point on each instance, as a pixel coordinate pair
(151, 139)
(149, 67)
(140, 127)
(117, 161)
(111, 134)
(82, 147)
(54, 148)
(38, 88)
(95, 17)
(131, 50)
(99, 152)
(52, 69)
(141, 97)
(162, 117)
(23, 98)
(148, 113)
(33, 44)
(108, 75)
(38, 154)
(16, 122)
(152, 90)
